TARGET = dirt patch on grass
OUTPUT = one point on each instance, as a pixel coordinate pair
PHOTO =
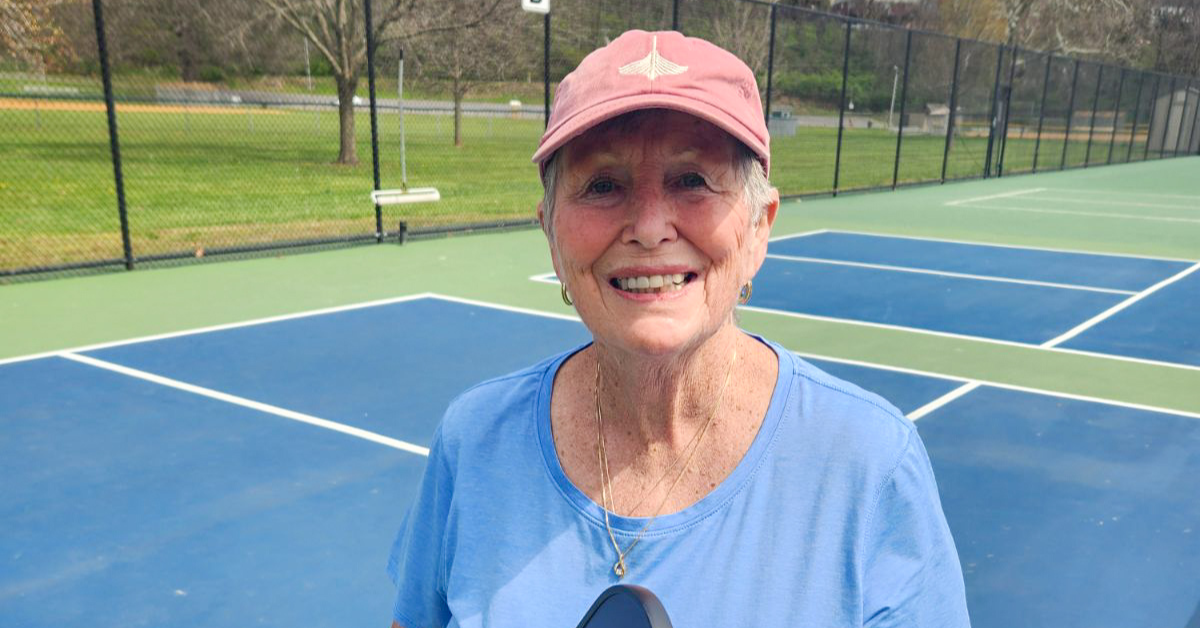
(29, 104)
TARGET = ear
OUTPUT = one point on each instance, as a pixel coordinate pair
(760, 234)
(541, 214)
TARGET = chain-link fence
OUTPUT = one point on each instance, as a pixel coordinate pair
(279, 147)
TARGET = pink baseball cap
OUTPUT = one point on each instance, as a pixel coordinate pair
(663, 70)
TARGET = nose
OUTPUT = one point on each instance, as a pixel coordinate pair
(651, 218)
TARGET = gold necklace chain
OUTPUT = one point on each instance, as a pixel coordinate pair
(606, 495)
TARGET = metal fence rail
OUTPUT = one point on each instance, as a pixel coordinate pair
(120, 168)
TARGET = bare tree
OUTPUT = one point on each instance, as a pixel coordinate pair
(26, 29)
(335, 28)
(744, 29)
(981, 19)
(1164, 34)
(468, 56)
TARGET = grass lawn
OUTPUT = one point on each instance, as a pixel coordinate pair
(198, 179)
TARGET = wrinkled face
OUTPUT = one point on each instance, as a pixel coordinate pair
(651, 234)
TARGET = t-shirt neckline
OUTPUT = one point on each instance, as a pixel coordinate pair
(674, 522)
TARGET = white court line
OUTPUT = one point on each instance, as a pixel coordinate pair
(247, 403)
(1014, 246)
(429, 295)
(551, 279)
(204, 330)
(884, 367)
(943, 400)
(905, 269)
(993, 196)
(1118, 203)
(993, 384)
(1075, 213)
(506, 308)
(1093, 321)
(1137, 194)
(802, 234)
(985, 340)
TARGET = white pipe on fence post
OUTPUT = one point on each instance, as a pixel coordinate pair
(400, 108)
(895, 81)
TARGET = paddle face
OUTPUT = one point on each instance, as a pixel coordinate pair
(626, 606)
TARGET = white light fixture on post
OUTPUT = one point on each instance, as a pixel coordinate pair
(536, 6)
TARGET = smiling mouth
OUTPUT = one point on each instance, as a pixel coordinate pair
(652, 284)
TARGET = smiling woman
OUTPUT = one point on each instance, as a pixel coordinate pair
(675, 451)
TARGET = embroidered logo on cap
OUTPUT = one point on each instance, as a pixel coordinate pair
(652, 65)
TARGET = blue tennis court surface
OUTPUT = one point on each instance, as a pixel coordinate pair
(135, 500)
(1078, 269)
(1030, 314)
(1164, 326)
(1116, 305)
(1127, 306)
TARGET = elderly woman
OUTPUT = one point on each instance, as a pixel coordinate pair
(742, 485)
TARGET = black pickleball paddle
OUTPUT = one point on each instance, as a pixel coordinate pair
(626, 606)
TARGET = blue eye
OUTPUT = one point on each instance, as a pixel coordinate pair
(601, 186)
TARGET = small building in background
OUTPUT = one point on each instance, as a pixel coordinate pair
(1175, 112)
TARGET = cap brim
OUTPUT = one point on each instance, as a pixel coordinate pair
(580, 123)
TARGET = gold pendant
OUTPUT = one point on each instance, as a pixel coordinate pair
(619, 568)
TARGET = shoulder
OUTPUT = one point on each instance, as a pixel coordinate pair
(843, 427)
(847, 408)
(497, 405)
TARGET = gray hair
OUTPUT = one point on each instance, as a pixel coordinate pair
(747, 169)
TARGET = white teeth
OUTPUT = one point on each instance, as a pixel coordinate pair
(652, 283)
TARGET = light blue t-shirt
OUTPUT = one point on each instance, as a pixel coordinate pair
(832, 518)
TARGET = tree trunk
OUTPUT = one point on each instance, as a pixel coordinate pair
(348, 151)
(458, 98)
(187, 61)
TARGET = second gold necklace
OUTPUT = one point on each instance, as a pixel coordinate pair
(620, 568)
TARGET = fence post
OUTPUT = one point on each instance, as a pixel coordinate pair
(1112, 137)
(903, 101)
(987, 160)
(374, 122)
(1070, 114)
(770, 66)
(546, 70)
(837, 164)
(1153, 110)
(1087, 155)
(953, 106)
(1037, 145)
(114, 142)
(1137, 113)
(1007, 115)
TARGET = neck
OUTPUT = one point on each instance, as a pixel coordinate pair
(652, 403)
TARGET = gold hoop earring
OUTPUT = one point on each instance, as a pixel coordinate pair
(744, 295)
(566, 296)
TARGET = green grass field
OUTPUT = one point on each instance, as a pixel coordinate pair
(199, 178)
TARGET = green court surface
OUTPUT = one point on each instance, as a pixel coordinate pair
(1145, 209)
